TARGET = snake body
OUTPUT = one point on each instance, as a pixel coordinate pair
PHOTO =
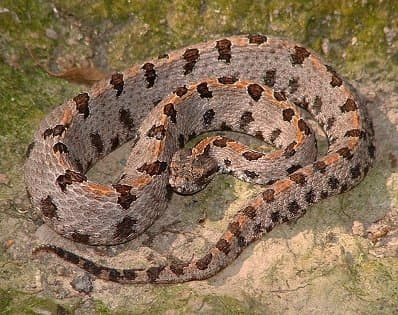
(250, 84)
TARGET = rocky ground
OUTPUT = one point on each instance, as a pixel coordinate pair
(340, 258)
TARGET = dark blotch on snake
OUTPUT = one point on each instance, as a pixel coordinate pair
(169, 111)
(73, 258)
(275, 217)
(303, 127)
(177, 268)
(118, 83)
(330, 123)
(91, 267)
(62, 181)
(225, 127)
(270, 78)
(234, 228)
(345, 153)
(115, 142)
(58, 130)
(150, 74)
(113, 274)
(250, 212)
(129, 274)
(155, 168)
(204, 262)
(268, 195)
(250, 174)
(124, 228)
(242, 242)
(252, 155)
(245, 119)
(319, 166)
(208, 116)
(289, 150)
(125, 118)
(157, 132)
(223, 246)
(372, 150)
(333, 182)
(287, 114)
(293, 168)
(48, 132)
(204, 91)
(298, 178)
(299, 55)
(224, 50)
(221, 142)
(310, 197)
(181, 140)
(336, 80)
(257, 39)
(60, 147)
(75, 176)
(81, 101)
(180, 91)
(355, 171)
(169, 192)
(96, 141)
(293, 207)
(349, 106)
(275, 134)
(191, 56)
(48, 208)
(126, 198)
(81, 238)
(358, 133)
(259, 135)
(255, 91)
(280, 95)
(154, 272)
(227, 80)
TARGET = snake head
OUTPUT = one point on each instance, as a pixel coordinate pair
(190, 172)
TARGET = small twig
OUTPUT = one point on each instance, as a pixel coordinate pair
(289, 290)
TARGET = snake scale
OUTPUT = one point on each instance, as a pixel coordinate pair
(250, 84)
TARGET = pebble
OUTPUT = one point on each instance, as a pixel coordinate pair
(3, 179)
(50, 33)
(82, 283)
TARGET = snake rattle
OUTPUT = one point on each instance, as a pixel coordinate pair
(250, 84)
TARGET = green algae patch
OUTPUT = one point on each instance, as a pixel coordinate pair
(180, 301)
(162, 300)
(375, 282)
(227, 305)
(14, 302)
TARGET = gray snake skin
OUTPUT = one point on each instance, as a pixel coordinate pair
(250, 84)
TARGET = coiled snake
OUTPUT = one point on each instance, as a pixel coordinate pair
(249, 84)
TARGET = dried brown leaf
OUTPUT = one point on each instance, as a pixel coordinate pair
(86, 76)
(80, 75)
